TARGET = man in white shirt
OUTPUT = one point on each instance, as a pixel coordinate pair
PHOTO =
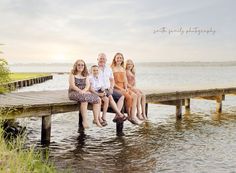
(107, 79)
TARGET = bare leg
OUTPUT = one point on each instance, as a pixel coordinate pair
(105, 107)
(144, 106)
(120, 103)
(96, 113)
(83, 111)
(134, 108)
(114, 106)
(134, 105)
(139, 106)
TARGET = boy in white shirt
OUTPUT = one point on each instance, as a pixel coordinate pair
(97, 87)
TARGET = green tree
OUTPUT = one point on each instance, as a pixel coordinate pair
(4, 73)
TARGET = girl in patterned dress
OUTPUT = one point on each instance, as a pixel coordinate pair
(79, 91)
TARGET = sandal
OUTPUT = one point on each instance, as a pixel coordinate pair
(116, 118)
(104, 123)
(119, 119)
(94, 122)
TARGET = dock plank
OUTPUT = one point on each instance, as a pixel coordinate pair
(57, 101)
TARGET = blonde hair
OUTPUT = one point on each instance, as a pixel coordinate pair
(132, 69)
(74, 70)
(113, 64)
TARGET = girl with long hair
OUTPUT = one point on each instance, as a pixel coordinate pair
(121, 84)
(79, 91)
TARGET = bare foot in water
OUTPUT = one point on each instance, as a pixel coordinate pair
(144, 116)
(97, 123)
(140, 117)
(137, 120)
(85, 125)
(134, 120)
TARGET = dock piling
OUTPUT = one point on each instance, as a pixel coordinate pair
(187, 105)
(146, 109)
(219, 103)
(81, 128)
(46, 130)
(179, 109)
(119, 129)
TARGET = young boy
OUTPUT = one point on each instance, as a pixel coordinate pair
(97, 88)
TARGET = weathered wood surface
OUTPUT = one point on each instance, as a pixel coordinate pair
(27, 82)
(179, 95)
(42, 103)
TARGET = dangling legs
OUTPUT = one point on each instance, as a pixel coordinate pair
(143, 103)
(139, 106)
(114, 106)
(133, 116)
(105, 107)
(120, 103)
(96, 113)
(83, 111)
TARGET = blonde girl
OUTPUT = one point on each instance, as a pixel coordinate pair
(131, 77)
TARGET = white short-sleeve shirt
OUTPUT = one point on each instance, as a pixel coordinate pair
(95, 83)
(105, 75)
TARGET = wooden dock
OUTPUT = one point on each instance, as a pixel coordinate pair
(47, 103)
(27, 82)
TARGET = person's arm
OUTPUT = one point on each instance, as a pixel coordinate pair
(92, 90)
(111, 78)
(117, 87)
(126, 81)
(87, 86)
(134, 80)
(129, 86)
(112, 82)
(72, 83)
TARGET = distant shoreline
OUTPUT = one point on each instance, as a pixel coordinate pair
(184, 63)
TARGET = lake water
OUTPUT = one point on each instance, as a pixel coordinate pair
(202, 141)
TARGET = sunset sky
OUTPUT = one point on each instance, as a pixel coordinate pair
(61, 31)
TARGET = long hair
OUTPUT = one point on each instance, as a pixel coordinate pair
(113, 64)
(74, 70)
(133, 68)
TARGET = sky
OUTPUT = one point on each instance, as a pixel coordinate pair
(61, 31)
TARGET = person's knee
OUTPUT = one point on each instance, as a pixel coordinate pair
(83, 103)
(134, 96)
(106, 100)
(122, 98)
(99, 101)
(111, 98)
(139, 95)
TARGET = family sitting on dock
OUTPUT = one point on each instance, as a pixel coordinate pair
(105, 86)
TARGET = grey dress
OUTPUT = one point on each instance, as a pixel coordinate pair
(87, 97)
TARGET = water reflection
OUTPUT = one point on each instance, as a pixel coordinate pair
(201, 142)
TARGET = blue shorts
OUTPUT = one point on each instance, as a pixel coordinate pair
(116, 95)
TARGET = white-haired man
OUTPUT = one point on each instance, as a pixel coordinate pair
(116, 99)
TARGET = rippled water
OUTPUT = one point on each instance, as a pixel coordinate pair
(202, 141)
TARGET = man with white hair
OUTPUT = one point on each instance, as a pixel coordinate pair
(116, 99)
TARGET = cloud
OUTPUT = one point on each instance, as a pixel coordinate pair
(33, 29)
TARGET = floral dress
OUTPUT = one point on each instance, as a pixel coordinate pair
(85, 97)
